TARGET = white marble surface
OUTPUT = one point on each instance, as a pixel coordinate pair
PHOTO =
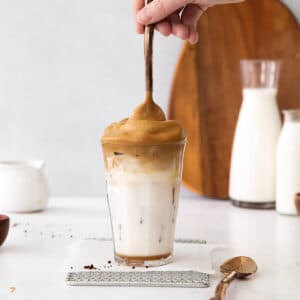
(33, 257)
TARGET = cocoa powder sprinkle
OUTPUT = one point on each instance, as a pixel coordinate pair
(90, 267)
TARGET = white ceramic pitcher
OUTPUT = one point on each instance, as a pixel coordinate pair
(23, 186)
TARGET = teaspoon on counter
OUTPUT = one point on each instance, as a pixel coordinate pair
(238, 267)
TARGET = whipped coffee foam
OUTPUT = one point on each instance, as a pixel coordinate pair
(146, 126)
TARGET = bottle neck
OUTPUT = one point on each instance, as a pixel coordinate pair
(259, 94)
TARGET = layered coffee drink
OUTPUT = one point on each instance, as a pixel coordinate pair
(143, 158)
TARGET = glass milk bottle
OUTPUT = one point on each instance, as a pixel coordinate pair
(253, 161)
(288, 165)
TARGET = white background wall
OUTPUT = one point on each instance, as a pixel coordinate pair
(67, 69)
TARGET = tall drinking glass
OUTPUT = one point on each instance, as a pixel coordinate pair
(142, 191)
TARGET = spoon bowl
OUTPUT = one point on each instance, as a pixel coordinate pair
(243, 266)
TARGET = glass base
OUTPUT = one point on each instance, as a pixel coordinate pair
(254, 205)
(150, 261)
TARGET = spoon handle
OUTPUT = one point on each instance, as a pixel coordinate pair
(223, 285)
(220, 291)
(148, 48)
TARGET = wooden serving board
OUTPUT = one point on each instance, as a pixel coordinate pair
(206, 92)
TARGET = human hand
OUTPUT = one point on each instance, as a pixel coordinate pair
(178, 17)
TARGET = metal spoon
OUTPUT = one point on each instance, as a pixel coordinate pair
(237, 267)
(148, 110)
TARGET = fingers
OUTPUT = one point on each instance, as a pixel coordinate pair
(178, 29)
(166, 15)
(137, 6)
(164, 28)
(189, 18)
(193, 38)
(185, 27)
(159, 10)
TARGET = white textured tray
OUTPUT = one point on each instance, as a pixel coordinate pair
(174, 275)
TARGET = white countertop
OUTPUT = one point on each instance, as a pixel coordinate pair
(33, 258)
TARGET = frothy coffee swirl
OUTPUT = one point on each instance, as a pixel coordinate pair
(146, 126)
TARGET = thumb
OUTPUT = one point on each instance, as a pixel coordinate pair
(158, 10)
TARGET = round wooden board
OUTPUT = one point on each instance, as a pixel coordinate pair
(206, 91)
